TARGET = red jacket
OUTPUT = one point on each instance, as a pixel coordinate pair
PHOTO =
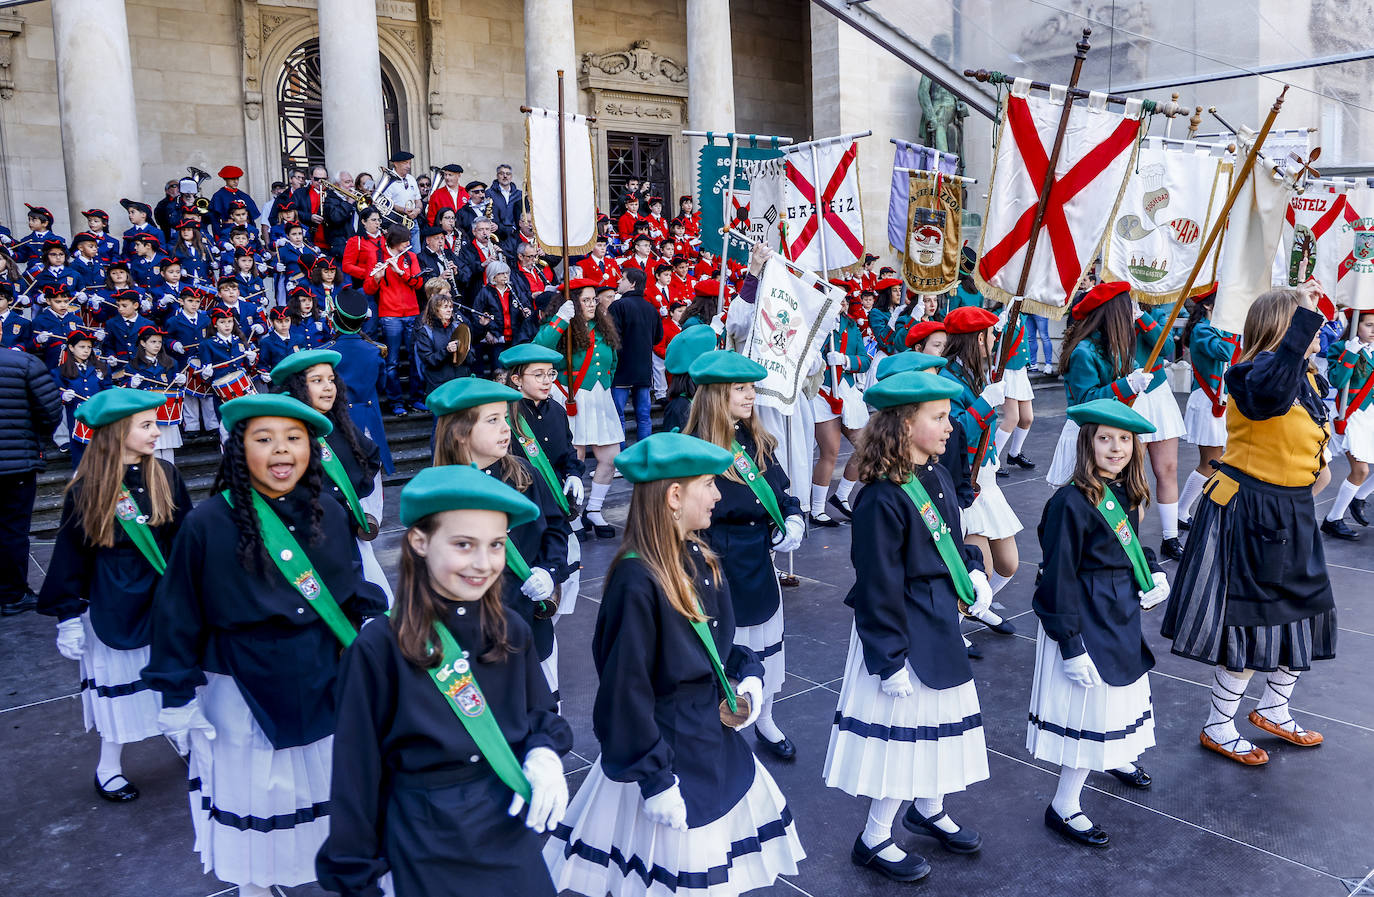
(442, 199)
(361, 254)
(607, 273)
(626, 225)
(682, 290)
(395, 291)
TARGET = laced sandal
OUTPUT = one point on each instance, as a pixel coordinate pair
(1297, 735)
(1256, 756)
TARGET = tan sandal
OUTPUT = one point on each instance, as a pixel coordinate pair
(1256, 756)
(1301, 737)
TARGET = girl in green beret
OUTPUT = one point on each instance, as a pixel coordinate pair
(120, 514)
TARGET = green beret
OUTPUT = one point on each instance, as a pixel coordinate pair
(675, 456)
(530, 353)
(276, 405)
(1111, 413)
(724, 366)
(908, 361)
(910, 388)
(686, 347)
(300, 361)
(459, 487)
(468, 392)
(110, 405)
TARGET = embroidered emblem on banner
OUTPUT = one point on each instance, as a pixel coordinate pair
(781, 330)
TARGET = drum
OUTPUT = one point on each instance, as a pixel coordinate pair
(81, 433)
(169, 415)
(196, 385)
(233, 385)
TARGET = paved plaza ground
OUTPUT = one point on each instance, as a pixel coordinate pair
(1302, 826)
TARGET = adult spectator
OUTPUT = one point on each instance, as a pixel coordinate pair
(309, 202)
(507, 202)
(640, 328)
(165, 212)
(340, 217)
(29, 412)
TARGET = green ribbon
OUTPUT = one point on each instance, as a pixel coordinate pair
(1115, 515)
(757, 484)
(135, 525)
(943, 538)
(294, 564)
(539, 460)
(456, 682)
(335, 469)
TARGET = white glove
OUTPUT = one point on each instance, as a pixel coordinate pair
(44, 335)
(898, 685)
(1082, 671)
(982, 592)
(100, 334)
(815, 366)
(93, 301)
(750, 687)
(994, 394)
(71, 638)
(662, 311)
(667, 808)
(179, 379)
(548, 790)
(68, 395)
(539, 587)
(146, 305)
(1138, 380)
(259, 329)
(177, 723)
(136, 381)
(718, 323)
(837, 360)
(790, 538)
(1136, 311)
(565, 311)
(266, 377)
(572, 488)
(281, 267)
(251, 355)
(1157, 594)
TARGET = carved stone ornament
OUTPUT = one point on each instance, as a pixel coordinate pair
(11, 26)
(639, 61)
(1064, 27)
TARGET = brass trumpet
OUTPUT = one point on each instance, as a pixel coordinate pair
(360, 200)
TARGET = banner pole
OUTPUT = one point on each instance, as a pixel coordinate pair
(563, 218)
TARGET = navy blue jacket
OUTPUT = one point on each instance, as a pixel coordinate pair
(30, 410)
(363, 372)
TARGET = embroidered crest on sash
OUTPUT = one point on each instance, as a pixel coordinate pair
(307, 585)
(325, 453)
(742, 465)
(529, 445)
(125, 509)
(1123, 533)
(464, 693)
(930, 517)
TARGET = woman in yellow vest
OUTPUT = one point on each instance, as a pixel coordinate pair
(1253, 593)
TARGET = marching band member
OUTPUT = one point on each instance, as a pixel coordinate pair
(436, 337)
(309, 326)
(1351, 369)
(277, 343)
(230, 193)
(448, 196)
(30, 251)
(756, 515)
(79, 376)
(324, 283)
(599, 267)
(121, 330)
(394, 280)
(247, 314)
(140, 224)
(1210, 351)
(839, 409)
(224, 352)
(444, 713)
(676, 789)
(190, 250)
(120, 514)
(147, 261)
(98, 225)
(908, 725)
(1252, 592)
(187, 330)
(246, 645)
(151, 368)
(15, 329)
(513, 319)
(1090, 700)
(85, 266)
(53, 324)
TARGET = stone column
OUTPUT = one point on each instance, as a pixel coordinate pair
(350, 69)
(95, 95)
(710, 67)
(548, 48)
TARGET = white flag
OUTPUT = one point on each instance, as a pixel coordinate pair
(792, 318)
(1355, 278)
(1247, 251)
(1328, 233)
(544, 187)
(826, 175)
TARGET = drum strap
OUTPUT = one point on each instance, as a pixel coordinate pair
(943, 539)
(1218, 406)
(135, 525)
(335, 469)
(1117, 521)
(576, 384)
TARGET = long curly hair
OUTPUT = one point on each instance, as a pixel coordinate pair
(296, 387)
(884, 451)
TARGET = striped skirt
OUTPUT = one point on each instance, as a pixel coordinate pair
(765, 640)
(115, 700)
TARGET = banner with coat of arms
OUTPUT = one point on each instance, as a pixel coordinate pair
(713, 186)
(1171, 202)
(922, 158)
(793, 315)
(930, 261)
(1326, 236)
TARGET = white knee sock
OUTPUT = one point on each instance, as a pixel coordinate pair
(764, 724)
(1342, 502)
(1168, 519)
(109, 766)
(846, 487)
(1365, 488)
(1000, 440)
(818, 494)
(596, 502)
(254, 891)
(881, 813)
(1018, 439)
(1227, 690)
(1191, 490)
(1273, 705)
(934, 806)
(1067, 797)
(997, 581)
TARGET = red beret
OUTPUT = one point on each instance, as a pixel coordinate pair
(969, 319)
(150, 330)
(581, 283)
(888, 283)
(1099, 295)
(231, 171)
(922, 330)
(708, 286)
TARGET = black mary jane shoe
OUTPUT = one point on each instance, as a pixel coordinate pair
(962, 841)
(1136, 778)
(909, 868)
(1340, 530)
(1002, 472)
(122, 794)
(1185, 525)
(1357, 510)
(27, 603)
(841, 505)
(974, 652)
(600, 530)
(823, 519)
(1093, 837)
(1021, 461)
(1003, 627)
(783, 750)
(1171, 549)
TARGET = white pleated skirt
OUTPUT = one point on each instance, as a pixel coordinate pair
(1159, 407)
(606, 845)
(1065, 455)
(549, 666)
(990, 515)
(820, 410)
(1101, 728)
(260, 814)
(1204, 428)
(925, 745)
(168, 436)
(372, 569)
(115, 700)
(596, 421)
(1358, 438)
(765, 640)
(567, 597)
(1016, 382)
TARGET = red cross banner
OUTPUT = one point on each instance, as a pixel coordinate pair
(1088, 182)
(824, 176)
(1327, 237)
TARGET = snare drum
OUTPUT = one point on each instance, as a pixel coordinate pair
(169, 415)
(81, 433)
(233, 385)
(196, 385)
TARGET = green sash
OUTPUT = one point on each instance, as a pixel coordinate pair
(704, 633)
(516, 561)
(294, 564)
(757, 484)
(539, 460)
(944, 541)
(455, 681)
(334, 467)
(1115, 515)
(135, 525)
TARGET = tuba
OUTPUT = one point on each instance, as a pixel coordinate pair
(200, 176)
(381, 202)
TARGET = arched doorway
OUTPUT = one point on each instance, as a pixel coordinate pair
(300, 109)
